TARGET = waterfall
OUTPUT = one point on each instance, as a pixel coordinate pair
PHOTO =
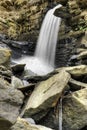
(43, 60)
(47, 40)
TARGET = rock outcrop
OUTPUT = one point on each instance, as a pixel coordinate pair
(26, 16)
(46, 94)
(74, 110)
(11, 101)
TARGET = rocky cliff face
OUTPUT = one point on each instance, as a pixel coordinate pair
(22, 19)
(19, 19)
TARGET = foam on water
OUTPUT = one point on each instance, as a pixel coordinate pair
(35, 65)
(43, 61)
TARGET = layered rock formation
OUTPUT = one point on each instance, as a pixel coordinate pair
(21, 20)
(24, 18)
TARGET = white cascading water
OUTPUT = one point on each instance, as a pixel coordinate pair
(47, 40)
(43, 61)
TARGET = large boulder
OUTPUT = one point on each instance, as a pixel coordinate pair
(75, 110)
(46, 94)
(24, 125)
(11, 101)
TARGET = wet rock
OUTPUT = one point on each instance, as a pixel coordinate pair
(35, 79)
(11, 101)
(25, 125)
(46, 94)
(65, 48)
(3, 45)
(2, 37)
(5, 55)
(62, 12)
(18, 68)
(16, 44)
(30, 87)
(74, 110)
(19, 48)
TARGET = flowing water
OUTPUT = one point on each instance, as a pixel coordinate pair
(43, 61)
(48, 38)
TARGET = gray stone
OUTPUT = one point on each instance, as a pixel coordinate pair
(46, 93)
(11, 101)
(75, 110)
(18, 68)
(62, 12)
